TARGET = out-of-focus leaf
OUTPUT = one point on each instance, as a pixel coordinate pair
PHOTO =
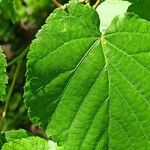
(9, 8)
(9, 136)
(3, 76)
(141, 8)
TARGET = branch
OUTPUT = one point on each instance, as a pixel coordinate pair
(19, 57)
(19, 64)
(57, 4)
(96, 4)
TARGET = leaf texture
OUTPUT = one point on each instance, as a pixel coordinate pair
(91, 91)
(127, 54)
(48, 72)
(3, 76)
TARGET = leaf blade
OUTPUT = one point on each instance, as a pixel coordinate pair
(128, 77)
(95, 110)
(62, 71)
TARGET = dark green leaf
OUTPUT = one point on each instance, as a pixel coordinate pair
(9, 8)
(141, 8)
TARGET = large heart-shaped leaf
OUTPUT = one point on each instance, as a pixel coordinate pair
(90, 91)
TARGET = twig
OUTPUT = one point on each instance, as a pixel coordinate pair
(19, 64)
(85, 1)
(58, 4)
(18, 57)
(96, 4)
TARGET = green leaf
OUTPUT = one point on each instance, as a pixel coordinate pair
(12, 136)
(3, 76)
(132, 1)
(16, 134)
(127, 52)
(30, 143)
(46, 82)
(141, 8)
(9, 8)
(37, 6)
(91, 91)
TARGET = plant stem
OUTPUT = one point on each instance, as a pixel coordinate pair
(19, 64)
(19, 57)
(57, 3)
(98, 2)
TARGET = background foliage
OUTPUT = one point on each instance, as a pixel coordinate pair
(19, 22)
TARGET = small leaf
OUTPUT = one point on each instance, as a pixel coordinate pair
(3, 76)
(16, 134)
(30, 143)
(12, 136)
